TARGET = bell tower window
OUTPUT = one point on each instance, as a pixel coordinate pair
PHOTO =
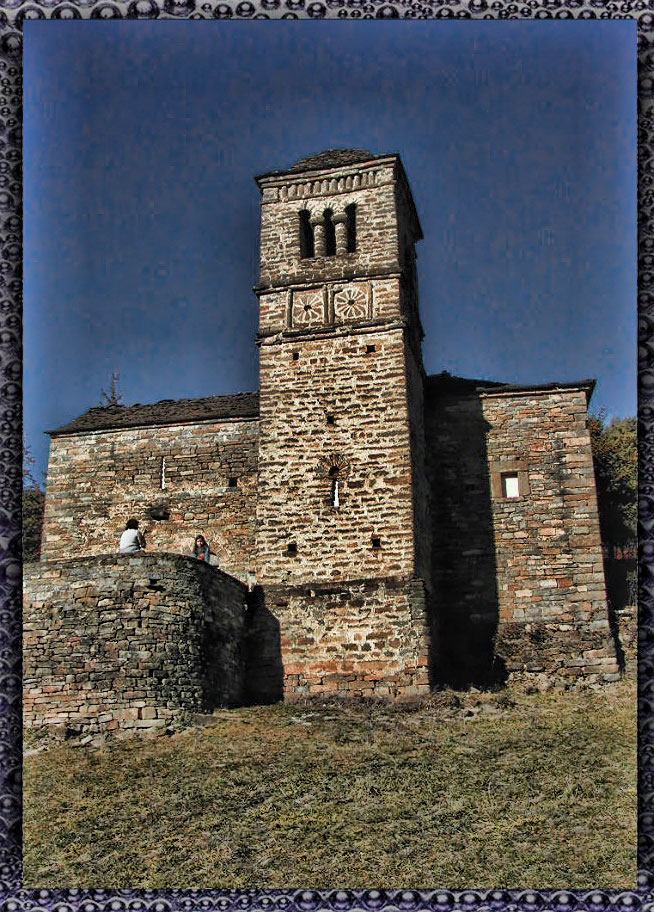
(306, 235)
(330, 233)
(351, 227)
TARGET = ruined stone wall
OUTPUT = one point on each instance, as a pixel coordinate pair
(521, 578)
(129, 642)
(358, 638)
(99, 480)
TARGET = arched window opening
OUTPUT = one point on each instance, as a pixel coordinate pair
(351, 226)
(306, 235)
(330, 233)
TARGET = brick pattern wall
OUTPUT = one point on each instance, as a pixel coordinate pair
(365, 393)
(359, 638)
(371, 188)
(97, 481)
(336, 387)
(129, 642)
(522, 577)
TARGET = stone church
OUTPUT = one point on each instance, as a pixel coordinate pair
(387, 530)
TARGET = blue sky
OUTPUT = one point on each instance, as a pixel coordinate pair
(141, 213)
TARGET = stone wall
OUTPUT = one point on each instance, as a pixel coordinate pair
(99, 480)
(367, 444)
(519, 581)
(129, 641)
(368, 186)
(365, 638)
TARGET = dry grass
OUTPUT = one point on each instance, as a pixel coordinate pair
(502, 790)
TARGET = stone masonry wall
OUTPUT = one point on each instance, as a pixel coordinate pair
(129, 641)
(370, 187)
(335, 409)
(520, 578)
(358, 638)
(364, 393)
(99, 480)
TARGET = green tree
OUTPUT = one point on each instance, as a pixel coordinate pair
(33, 505)
(615, 458)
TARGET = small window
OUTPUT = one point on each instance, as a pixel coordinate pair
(376, 543)
(306, 235)
(292, 548)
(370, 349)
(331, 421)
(351, 228)
(330, 233)
(510, 485)
(233, 482)
(296, 356)
(335, 502)
(162, 478)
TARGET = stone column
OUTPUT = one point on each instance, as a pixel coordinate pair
(340, 224)
(318, 226)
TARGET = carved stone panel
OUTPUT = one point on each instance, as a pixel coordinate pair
(352, 302)
(309, 307)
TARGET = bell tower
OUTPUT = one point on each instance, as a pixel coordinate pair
(341, 516)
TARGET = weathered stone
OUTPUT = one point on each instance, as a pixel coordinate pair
(206, 670)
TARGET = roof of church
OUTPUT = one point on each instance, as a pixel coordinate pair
(446, 383)
(333, 158)
(246, 405)
(329, 158)
(166, 412)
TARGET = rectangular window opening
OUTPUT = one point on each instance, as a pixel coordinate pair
(330, 420)
(232, 483)
(370, 349)
(296, 356)
(376, 543)
(291, 548)
(510, 485)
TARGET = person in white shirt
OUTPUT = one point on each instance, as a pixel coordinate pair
(131, 540)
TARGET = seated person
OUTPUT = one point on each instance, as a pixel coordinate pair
(131, 540)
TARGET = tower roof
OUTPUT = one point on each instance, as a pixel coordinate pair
(329, 158)
(333, 158)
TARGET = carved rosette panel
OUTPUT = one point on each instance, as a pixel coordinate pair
(308, 307)
(351, 302)
(335, 465)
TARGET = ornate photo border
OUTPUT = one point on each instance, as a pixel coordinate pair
(12, 897)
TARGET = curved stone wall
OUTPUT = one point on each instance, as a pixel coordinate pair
(129, 641)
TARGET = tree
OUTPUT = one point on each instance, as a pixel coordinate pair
(33, 505)
(615, 458)
(113, 397)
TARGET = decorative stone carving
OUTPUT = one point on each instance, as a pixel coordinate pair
(308, 307)
(336, 465)
(351, 302)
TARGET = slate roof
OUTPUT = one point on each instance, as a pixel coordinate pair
(168, 411)
(330, 158)
(447, 384)
(333, 158)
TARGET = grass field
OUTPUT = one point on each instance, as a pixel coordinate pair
(472, 790)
